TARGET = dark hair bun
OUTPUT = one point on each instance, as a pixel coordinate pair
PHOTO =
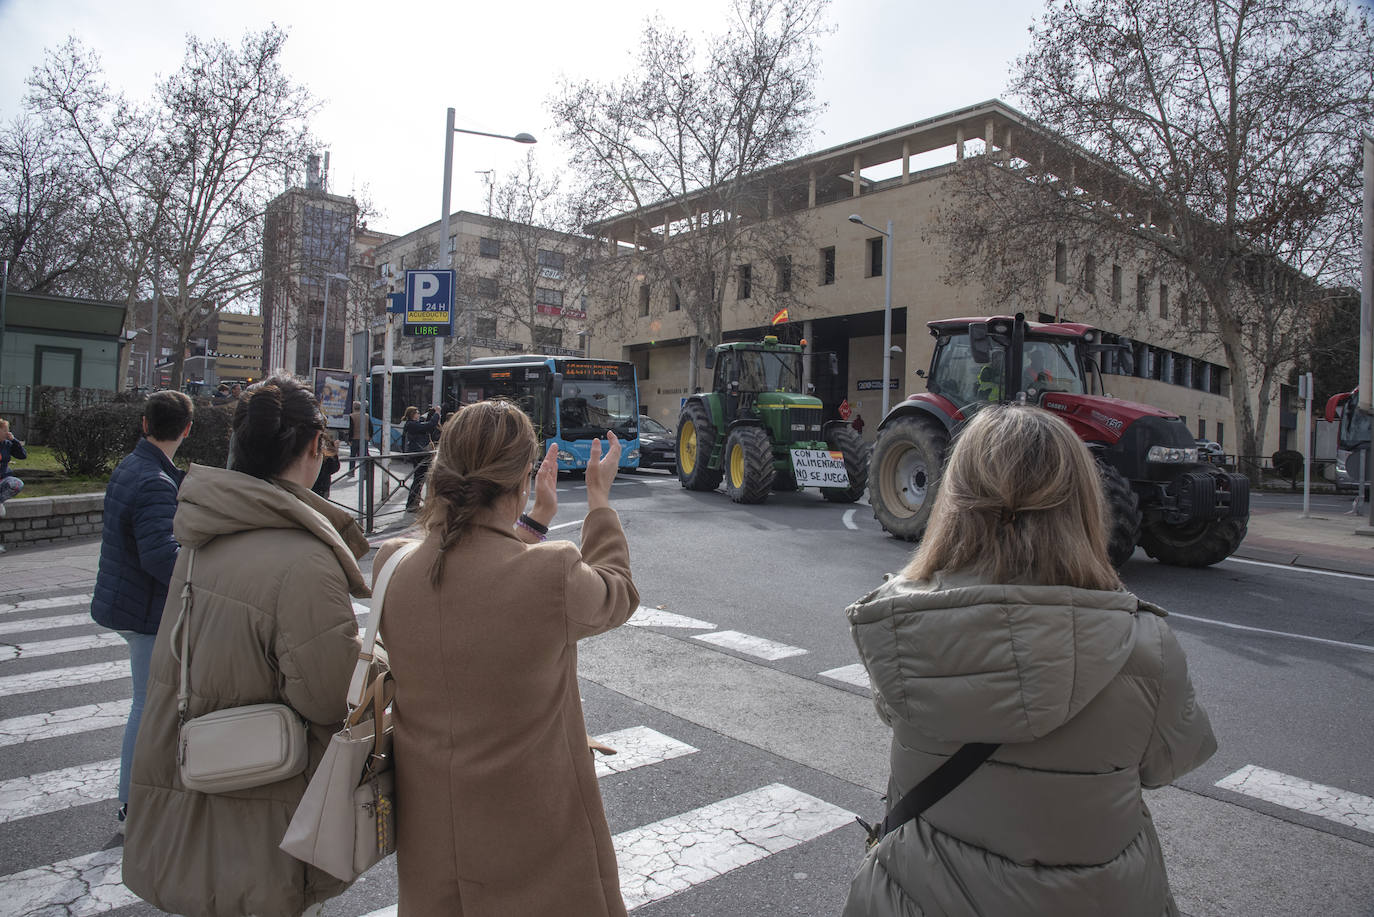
(273, 424)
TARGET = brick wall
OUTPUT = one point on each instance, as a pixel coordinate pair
(44, 520)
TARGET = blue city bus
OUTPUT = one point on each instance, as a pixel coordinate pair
(570, 400)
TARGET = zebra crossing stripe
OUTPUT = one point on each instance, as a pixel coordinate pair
(851, 675)
(73, 720)
(11, 651)
(638, 746)
(53, 791)
(750, 645)
(55, 601)
(655, 617)
(71, 677)
(671, 855)
(83, 886)
(1341, 806)
(29, 625)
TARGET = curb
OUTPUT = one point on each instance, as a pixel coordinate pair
(1288, 557)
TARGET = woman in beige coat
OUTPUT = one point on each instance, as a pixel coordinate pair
(498, 809)
(271, 622)
(1010, 627)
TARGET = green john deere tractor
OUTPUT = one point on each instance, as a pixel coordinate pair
(758, 431)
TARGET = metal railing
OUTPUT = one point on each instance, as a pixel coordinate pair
(371, 511)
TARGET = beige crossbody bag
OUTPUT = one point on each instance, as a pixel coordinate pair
(236, 748)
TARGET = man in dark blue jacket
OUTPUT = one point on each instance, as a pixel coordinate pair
(137, 550)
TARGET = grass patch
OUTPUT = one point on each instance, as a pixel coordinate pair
(40, 458)
(62, 487)
(43, 476)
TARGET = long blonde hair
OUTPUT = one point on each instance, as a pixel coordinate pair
(485, 453)
(1020, 501)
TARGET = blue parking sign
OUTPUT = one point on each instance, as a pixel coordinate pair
(429, 303)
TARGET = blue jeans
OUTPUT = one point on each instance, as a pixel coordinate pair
(140, 659)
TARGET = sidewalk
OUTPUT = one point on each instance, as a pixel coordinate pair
(1327, 540)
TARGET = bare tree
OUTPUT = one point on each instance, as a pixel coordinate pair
(1218, 145)
(699, 129)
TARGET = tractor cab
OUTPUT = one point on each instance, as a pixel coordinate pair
(976, 362)
(752, 377)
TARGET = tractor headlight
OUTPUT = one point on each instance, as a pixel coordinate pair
(1171, 455)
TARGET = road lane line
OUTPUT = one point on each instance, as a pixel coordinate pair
(565, 525)
(1340, 806)
(750, 645)
(12, 651)
(53, 791)
(1274, 633)
(55, 601)
(656, 617)
(82, 886)
(71, 677)
(672, 855)
(73, 720)
(28, 625)
(638, 746)
(849, 520)
(855, 675)
(1294, 568)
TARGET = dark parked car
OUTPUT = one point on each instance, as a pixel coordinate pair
(657, 445)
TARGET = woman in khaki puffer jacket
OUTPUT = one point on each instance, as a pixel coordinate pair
(1010, 626)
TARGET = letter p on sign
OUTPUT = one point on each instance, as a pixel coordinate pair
(426, 285)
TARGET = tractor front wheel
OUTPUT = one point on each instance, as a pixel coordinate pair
(844, 440)
(1124, 508)
(748, 465)
(904, 473)
(696, 437)
(1197, 544)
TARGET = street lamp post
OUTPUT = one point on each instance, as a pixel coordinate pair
(324, 316)
(887, 303)
(442, 247)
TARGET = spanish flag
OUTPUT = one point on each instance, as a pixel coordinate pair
(779, 318)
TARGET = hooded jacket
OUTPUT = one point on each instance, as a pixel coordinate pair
(271, 622)
(1088, 693)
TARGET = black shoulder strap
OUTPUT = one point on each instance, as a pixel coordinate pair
(938, 783)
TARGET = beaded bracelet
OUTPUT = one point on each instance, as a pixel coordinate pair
(538, 528)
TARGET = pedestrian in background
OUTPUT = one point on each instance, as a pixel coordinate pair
(498, 809)
(329, 466)
(416, 436)
(359, 429)
(274, 573)
(1010, 627)
(138, 550)
(9, 448)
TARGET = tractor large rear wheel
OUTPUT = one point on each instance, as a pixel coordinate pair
(904, 473)
(844, 440)
(1124, 520)
(748, 465)
(696, 437)
(1197, 544)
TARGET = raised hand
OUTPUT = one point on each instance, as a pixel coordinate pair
(546, 487)
(601, 472)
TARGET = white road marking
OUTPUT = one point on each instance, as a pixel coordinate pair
(80, 887)
(74, 676)
(73, 720)
(672, 855)
(55, 601)
(638, 746)
(655, 617)
(1365, 648)
(854, 674)
(750, 645)
(1340, 806)
(28, 625)
(849, 520)
(1292, 568)
(53, 791)
(359, 609)
(11, 651)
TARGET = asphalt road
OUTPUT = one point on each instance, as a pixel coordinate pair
(748, 741)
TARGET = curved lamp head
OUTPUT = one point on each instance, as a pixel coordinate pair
(855, 218)
(524, 138)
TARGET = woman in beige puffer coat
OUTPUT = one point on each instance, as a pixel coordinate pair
(1010, 626)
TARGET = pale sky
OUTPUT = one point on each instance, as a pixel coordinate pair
(386, 71)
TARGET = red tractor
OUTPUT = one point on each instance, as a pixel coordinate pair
(1181, 510)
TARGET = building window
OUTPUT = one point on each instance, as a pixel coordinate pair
(674, 300)
(488, 288)
(1142, 294)
(1202, 428)
(544, 336)
(452, 244)
(1163, 300)
(403, 264)
(484, 326)
(1221, 434)
(1061, 262)
(783, 266)
(550, 263)
(644, 299)
(640, 358)
(384, 270)
(875, 257)
(744, 282)
(827, 265)
(489, 248)
(1185, 318)
(1116, 284)
(1090, 272)
(546, 297)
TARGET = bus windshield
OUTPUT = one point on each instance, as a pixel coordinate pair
(588, 409)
